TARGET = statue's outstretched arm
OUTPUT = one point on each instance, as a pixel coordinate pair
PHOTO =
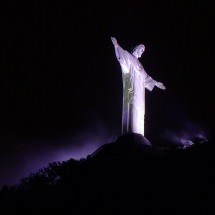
(114, 41)
(123, 56)
(119, 51)
(160, 85)
(151, 83)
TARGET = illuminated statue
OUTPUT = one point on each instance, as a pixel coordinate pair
(135, 80)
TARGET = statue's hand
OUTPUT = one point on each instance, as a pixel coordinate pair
(114, 41)
(160, 85)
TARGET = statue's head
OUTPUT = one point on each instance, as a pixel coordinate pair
(138, 50)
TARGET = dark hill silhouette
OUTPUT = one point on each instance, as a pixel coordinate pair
(125, 176)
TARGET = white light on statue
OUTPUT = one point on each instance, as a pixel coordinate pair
(135, 80)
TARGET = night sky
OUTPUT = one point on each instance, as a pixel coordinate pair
(61, 88)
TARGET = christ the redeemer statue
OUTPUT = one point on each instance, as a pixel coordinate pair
(135, 80)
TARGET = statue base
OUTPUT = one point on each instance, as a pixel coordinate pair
(133, 138)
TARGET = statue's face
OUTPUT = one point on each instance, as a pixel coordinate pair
(139, 51)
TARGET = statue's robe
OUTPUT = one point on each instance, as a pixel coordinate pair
(135, 80)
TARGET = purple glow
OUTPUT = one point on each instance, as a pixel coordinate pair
(184, 135)
(40, 153)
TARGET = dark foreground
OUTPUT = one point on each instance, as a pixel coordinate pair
(124, 177)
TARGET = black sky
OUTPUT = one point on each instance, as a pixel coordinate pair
(61, 83)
